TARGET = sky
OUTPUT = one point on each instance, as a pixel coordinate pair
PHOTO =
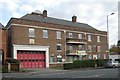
(92, 12)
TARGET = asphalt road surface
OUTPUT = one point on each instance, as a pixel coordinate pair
(94, 73)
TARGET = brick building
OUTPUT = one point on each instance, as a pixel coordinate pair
(39, 41)
(2, 43)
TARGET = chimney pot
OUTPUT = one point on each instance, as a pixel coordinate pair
(45, 13)
(74, 18)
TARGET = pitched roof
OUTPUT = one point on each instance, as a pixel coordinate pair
(40, 18)
(1, 26)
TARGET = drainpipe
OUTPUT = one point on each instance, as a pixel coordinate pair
(65, 43)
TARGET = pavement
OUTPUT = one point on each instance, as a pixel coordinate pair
(76, 73)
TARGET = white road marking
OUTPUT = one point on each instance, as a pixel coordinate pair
(91, 76)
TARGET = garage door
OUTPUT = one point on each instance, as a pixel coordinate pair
(31, 59)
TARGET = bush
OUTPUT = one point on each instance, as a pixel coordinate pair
(4, 69)
(77, 63)
(85, 63)
(10, 60)
(101, 62)
(68, 66)
(80, 64)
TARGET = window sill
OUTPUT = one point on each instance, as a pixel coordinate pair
(59, 50)
(59, 38)
(45, 37)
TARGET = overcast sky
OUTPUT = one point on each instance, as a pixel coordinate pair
(92, 12)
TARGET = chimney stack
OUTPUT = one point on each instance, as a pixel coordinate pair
(74, 18)
(45, 13)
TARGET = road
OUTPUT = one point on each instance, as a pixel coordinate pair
(94, 73)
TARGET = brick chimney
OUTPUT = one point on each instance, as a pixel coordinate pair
(74, 18)
(45, 13)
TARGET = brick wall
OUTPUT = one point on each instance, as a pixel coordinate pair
(19, 35)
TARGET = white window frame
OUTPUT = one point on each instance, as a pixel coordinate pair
(80, 46)
(98, 49)
(90, 56)
(70, 47)
(79, 36)
(58, 34)
(89, 37)
(59, 58)
(89, 48)
(52, 59)
(31, 41)
(60, 48)
(98, 38)
(45, 33)
(70, 35)
(99, 56)
(31, 32)
(104, 56)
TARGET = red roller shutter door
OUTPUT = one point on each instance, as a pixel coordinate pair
(31, 59)
(40, 57)
(23, 59)
(36, 59)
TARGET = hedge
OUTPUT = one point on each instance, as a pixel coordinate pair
(4, 69)
(10, 60)
(68, 66)
(85, 63)
(101, 62)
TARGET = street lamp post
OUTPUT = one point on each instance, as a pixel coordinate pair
(108, 33)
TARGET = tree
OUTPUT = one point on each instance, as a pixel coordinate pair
(115, 48)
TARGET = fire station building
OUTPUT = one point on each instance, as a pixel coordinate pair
(39, 41)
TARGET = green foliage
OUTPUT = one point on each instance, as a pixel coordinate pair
(68, 66)
(10, 60)
(4, 69)
(77, 63)
(101, 62)
(114, 48)
(85, 63)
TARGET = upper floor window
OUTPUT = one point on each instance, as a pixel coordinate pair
(89, 48)
(45, 33)
(32, 41)
(98, 48)
(70, 47)
(80, 36)
(58, 33)
(80, 47)
(98, 38)
(31, 32)
(70, 35)
(89, 37)
(59, 47)
(52, 59)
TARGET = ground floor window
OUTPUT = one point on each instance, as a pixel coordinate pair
(52, 59)
(59, 58)
(72, 58)
(90, 56)
(99, 56)
(104, 56)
